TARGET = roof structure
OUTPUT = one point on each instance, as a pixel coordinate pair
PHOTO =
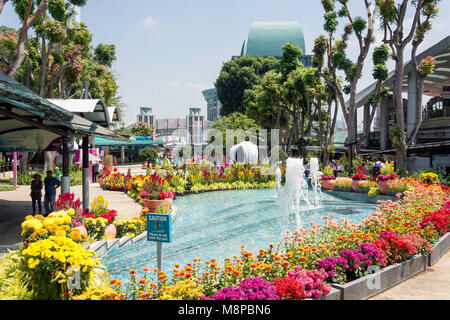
(134, 141)
(267, 38)
(29, 122)
(94, 110)
(433, 83)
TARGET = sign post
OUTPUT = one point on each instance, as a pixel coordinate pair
(159, 229)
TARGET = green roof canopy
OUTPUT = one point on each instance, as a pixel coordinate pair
(136, 142)
(267, 38)
(23, 113)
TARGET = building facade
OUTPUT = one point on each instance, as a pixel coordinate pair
(213, 104)
(146, 115)
(196, 125)
(266, 39)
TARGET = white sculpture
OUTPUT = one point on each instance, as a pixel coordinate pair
(244, 152)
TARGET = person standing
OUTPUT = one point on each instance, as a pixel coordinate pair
(339, 169)
(95, 171)
(57, 173)
(51, 184)
(36, 193)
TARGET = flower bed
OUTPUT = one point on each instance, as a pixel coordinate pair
(396, 235)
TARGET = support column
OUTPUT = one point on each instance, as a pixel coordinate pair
(412, 99)
(15, 169)
(85, 172)
(65, 180)
(365, 122)
(384, 124)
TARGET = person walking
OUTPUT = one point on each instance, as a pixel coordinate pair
(36, 193)
(51, 184)
(57, 173)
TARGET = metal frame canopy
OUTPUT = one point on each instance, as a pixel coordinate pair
(24, 113)
(94, 110)
(433, 83)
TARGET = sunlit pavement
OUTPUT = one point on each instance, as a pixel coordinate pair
(432, 284)
(16, 205)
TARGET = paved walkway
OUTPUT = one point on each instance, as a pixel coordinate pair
(432, 284)
(16, 205)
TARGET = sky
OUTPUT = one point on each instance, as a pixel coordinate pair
(169, 51)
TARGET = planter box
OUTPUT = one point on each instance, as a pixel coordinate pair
(439, 249)
(413, 266)
(334, 294)
(371, 284)
(386, 278)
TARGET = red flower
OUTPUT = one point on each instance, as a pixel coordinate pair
(289, 289)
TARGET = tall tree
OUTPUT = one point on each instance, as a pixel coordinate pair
(397, 35)
(28, 16)
(336, 50)
(282, 97)
(238, 75)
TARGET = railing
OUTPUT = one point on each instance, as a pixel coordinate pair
(437, 110)
(6, 166)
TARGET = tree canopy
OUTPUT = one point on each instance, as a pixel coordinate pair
(238, 75)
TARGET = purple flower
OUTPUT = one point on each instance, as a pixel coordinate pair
(248, 289)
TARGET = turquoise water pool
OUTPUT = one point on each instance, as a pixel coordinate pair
(215, 224)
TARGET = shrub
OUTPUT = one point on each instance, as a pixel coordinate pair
(45, 267)
(149, 154)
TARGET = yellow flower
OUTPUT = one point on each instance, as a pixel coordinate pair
(60, 233)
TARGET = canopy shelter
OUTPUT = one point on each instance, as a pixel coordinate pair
(133, 142)
(434, 86)
(29, 122)
(94, 110)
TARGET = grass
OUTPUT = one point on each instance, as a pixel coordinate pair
(6, 188)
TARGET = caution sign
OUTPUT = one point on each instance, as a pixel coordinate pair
(159, 227)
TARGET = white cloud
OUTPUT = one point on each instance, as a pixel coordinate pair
(199, 86)
(174, 83)
(149, 21)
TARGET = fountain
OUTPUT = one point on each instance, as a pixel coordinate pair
(294, 195)
(315, 185)
(277, 181)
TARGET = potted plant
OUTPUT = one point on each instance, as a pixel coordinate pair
(328, 178)
(387, 174)
(356, 178)
(155, 192)
(383, 183)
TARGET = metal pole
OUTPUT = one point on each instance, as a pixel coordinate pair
(125, 184)
(85, 173)
(159, 255)
(65, 180)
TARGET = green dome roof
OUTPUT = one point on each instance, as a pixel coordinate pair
(267, 38)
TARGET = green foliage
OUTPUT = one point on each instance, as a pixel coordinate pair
(142, 129)
(330, 21)
(148, 154)
(238, 75)
(380, 54)
(11, 287)
(359, 24)
(235, 121)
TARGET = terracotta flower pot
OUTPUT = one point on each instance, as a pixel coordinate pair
(383, 186)
(111, 231)
(355, 185)
(82, 229)
(328, 184)
(152, 205)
